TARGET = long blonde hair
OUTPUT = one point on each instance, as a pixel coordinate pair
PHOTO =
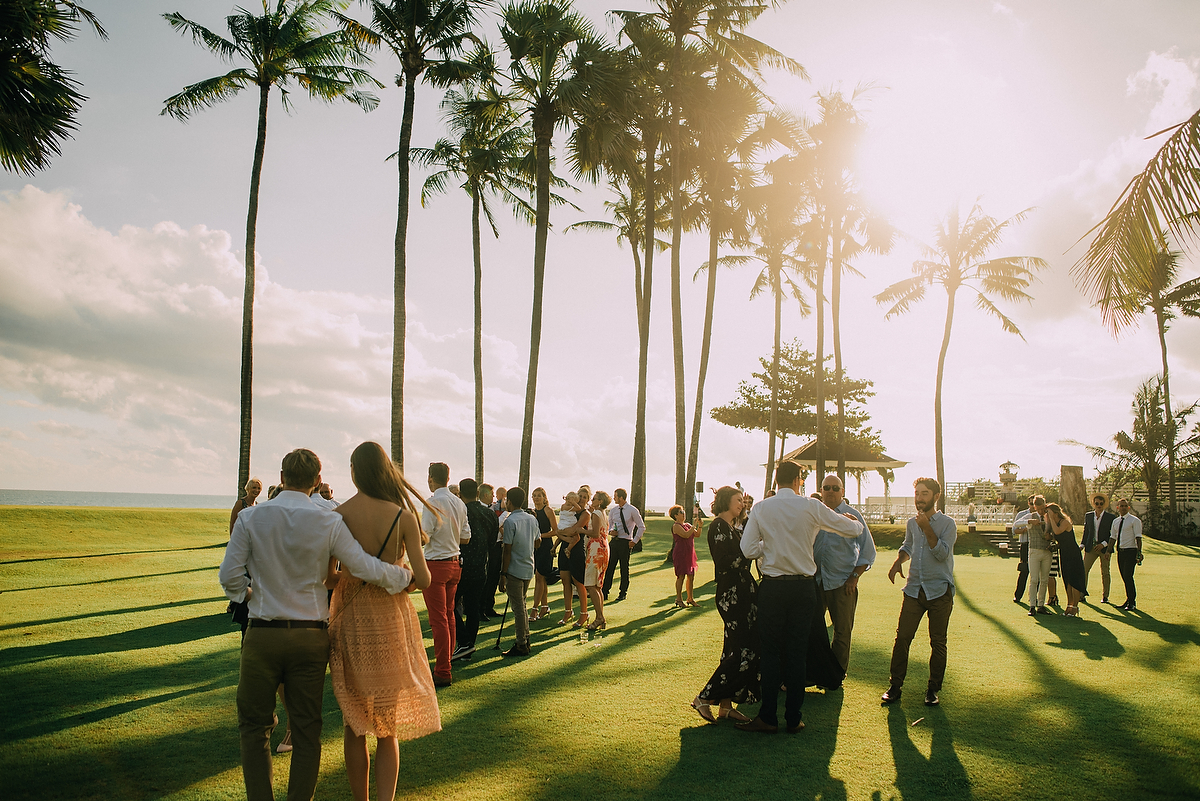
(377, 476)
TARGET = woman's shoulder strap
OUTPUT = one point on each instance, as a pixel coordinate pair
(391, 530)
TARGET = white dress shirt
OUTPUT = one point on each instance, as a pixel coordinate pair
(1125, 530)
(285, 545)
(446, 534)
(324, 504)
(625, 522)
(782, 529)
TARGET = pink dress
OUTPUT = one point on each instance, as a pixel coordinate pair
(683, 553)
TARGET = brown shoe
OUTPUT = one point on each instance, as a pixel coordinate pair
(758, 724)
(440, 682)
(796, 729)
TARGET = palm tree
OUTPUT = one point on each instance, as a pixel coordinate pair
(425, 35)
(775, 208)
(1153, 292)
(40, 99)
(283, 46)
(848, 228)
(702, 33)
(957, 260)
(487, 153)
(560, 70)
(1140, 453)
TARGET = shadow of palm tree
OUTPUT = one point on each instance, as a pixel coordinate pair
(176, 632)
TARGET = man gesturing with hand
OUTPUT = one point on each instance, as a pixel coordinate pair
(929, 546)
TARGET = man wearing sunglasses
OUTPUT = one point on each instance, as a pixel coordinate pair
(840, 564)
(1097, 540)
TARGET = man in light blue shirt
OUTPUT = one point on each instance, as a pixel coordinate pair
(840, 563)
(929, 546)
(520, 533)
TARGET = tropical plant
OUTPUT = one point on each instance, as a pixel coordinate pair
(39, 98)
(1151, 290)
(561, 70)
(795, 398)
(425, 36)
(488, 153)
(848, 228)
(1141, 452)
(957, 260)
(282, 46)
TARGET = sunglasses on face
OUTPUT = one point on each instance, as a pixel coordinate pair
(832, 489)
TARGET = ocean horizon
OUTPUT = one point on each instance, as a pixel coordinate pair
(146, 500)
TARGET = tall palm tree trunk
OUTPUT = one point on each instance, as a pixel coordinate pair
(476, 247)
(705, 342)
(399, 308)
(1169, 417)
(543, 131)
(247, 378)
(835, 312)
(819, 365)
(635, 246)
(682, 493)
(637, 483)
(776, 290)
(937, 403)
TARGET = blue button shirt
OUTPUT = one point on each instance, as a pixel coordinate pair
(837, 556)
(930, 569)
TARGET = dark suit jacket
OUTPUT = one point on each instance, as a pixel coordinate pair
(484, 529)
(1093, 536)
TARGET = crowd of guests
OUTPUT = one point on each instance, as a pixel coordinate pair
(1049, 551)
(316, 583)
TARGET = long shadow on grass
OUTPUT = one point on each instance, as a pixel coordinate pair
(114, 553)
(111, 580)
(1139, 766)
(107, 612)
(942, 774)
(176, 632)
(1081, 634)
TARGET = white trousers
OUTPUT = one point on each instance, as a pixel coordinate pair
(1039, 576)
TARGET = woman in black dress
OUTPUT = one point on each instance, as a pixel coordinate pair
(545, 570)
(736, 678)
(1070, 560)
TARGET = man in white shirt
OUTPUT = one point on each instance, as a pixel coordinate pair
(781, 530)
(627, 527)
(285, 544)
(1127, 531)
(447, 531)
(322, 496)
(1021, 529)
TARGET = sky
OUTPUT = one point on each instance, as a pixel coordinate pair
(121, 264)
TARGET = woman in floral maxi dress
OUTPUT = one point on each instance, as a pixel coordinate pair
(736, 678)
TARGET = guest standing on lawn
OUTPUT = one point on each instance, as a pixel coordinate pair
(484, 530)
(288, 642)
(1070, 559)
(596, 566)
(683, 554)
(736, 679)
(782, 531)
(1129, 550)
(567, 537)
(253, 489)
(840, 564)
(627, 527)
(445, 520)
(377, 659)
(520, 535)
(929, 545)
(544, 564)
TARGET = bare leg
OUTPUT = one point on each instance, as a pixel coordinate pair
(285, 744)
(691, 579)
(387, 768)
(597, 604)
(1053, 585)
(358, 763)
(583, 600)
(679, 590)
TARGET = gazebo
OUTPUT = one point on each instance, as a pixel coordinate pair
(859, 459)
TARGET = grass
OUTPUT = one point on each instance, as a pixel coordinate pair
(119, 670)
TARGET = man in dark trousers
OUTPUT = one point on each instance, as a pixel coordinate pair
(474, 569)
(487, 596)
(626, 526)
(1097, 541)
(781, 530)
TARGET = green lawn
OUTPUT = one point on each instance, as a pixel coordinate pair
(119, 670)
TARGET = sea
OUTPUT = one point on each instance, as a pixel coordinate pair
(146, 500)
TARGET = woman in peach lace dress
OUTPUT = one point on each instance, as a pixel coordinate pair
(377, 657)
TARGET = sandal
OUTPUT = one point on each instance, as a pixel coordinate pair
(703, 709)
(535, 615)
(567, 619)
(732, 714)
(679, 604)
(544, 613)
(285, 744)
(598, 625)
(580, 623)
(1053, 600)
(692, 603)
